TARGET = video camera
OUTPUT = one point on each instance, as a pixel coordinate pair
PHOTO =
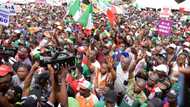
(57, 59)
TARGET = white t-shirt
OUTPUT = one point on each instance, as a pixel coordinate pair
(17, 82)
(96, 64)
(120, 78)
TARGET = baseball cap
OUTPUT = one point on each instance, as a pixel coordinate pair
(187, 44)
(86, 85)
(171, 46)
(4, 70)
(57, 23)
(161, 68)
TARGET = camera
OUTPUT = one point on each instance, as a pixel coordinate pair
(57, 58)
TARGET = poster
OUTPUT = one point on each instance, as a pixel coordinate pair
(11, 8)
(164, 27)
(4, 18)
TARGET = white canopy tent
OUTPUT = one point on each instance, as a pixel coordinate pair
(56, 2)
(162, 3)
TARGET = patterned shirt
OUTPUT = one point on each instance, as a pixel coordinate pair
(130, 96)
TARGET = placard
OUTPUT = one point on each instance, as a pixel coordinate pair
(165, 27)
(11, 8)
(4, 18)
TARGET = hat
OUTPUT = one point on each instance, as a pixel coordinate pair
(68, 29)
(172, 96)
(85, 85)
(60, 27)
(33, 30)
(23, 50)
(171, 46)
(57, 23)
(4, 70)
(17, 31)
(187, 44)
(161, 68)
(187, 50)
(148, 53)
(126, 54)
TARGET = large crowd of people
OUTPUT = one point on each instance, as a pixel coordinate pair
(49, 60)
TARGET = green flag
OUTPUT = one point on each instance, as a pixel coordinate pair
(74, 8)
(84, 18)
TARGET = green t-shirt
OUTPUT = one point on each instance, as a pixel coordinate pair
(72, 102)
(86, 71)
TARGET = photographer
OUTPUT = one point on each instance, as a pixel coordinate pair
(22, 70)
(36, 100)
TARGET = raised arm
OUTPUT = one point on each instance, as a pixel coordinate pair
(63, 97)
(184, 70)
(110, 65)
(28, 80)
(53, 85)
(132, 68)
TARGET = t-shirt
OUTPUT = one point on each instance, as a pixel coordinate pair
(87, 100)
(131, 97)
(121, 76)
(102, 104)
(17, 82)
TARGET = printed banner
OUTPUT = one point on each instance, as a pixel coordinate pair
(4, 18)
(18, 9)
(11, 8)
(165, 27)
(41, 1)
(165, 12)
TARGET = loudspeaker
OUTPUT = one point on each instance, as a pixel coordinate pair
(179, 1)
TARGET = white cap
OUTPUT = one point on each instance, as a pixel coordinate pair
(17, 31)
(187, 44)
(171, 46)
(148, 53)
(161, 68)
(68, 29)
(187, 49)
(163, 51)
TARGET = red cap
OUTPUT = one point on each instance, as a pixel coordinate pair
(4, 70)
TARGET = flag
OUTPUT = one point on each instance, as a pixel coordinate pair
(90, 24)
(74, 10)
(86, 15)
(111, 16)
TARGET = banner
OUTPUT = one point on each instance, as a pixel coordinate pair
(165, 12)
(165, 27)
(18, 9)
(4, 18)
(11, 8)
(41, 1)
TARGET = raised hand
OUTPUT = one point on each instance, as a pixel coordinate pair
(35, 66)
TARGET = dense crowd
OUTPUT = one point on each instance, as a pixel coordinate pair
(49, 60)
